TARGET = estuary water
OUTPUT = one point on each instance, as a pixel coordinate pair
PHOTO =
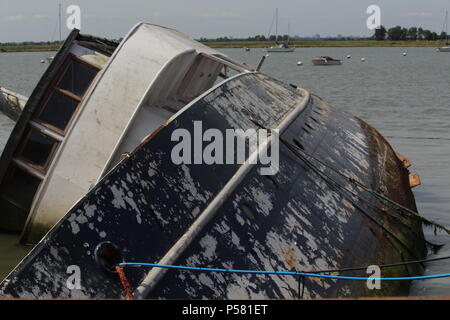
(407, 98)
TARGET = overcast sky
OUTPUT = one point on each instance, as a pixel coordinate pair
(22, 20)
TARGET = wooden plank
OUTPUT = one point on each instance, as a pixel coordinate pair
(404, 160)
(69, 94)
(414, 180)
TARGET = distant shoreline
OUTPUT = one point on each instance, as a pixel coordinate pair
(264, 44)
(29, 48)
(328, 43)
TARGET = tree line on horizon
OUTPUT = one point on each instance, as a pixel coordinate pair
(281, 38)
(396, 33)
(399, 33)
(32, 43)
(38, 43)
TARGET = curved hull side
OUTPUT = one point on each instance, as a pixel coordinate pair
(300, 223)
(294, 220)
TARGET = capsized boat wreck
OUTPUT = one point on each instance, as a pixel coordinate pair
(119, 195)
(90, 107)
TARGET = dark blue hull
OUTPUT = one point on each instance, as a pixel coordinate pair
(306, 217)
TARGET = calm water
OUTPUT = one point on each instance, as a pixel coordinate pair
(403, 97)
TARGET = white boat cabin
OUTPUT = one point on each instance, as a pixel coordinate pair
(97, 101)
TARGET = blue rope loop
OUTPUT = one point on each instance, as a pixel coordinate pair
(283, 273)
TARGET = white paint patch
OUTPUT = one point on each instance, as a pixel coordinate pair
(90, 210)
(81, 219)
(151, 172)
(209, 245)
(189, 186)
(118, 195)
(75, 227)
(263, 200)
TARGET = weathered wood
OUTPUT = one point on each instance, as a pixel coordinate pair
(404, 160)
(414, 180)
(260, 63)
(11, 103)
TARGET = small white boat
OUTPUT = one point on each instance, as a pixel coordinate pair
(326, 61)
(282, 47)
(446, 48)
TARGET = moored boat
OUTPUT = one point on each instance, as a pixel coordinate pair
(280, 47)
(326, 61)
(446, 48)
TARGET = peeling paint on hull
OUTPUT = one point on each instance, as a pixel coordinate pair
(293, 220)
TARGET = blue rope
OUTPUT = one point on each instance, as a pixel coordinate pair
(285, 273)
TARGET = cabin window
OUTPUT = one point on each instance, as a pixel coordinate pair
(46, 130)
(21, 188)
(77, 77)
(66, 95)
(58, 110)
(37, 149)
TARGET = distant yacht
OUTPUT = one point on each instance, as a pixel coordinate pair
(326, 61)
(447, 47)
(280, 47)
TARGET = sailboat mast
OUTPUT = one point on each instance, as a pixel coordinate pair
(60, 22)
(276, 25)
(289, 32)
(446, 27)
